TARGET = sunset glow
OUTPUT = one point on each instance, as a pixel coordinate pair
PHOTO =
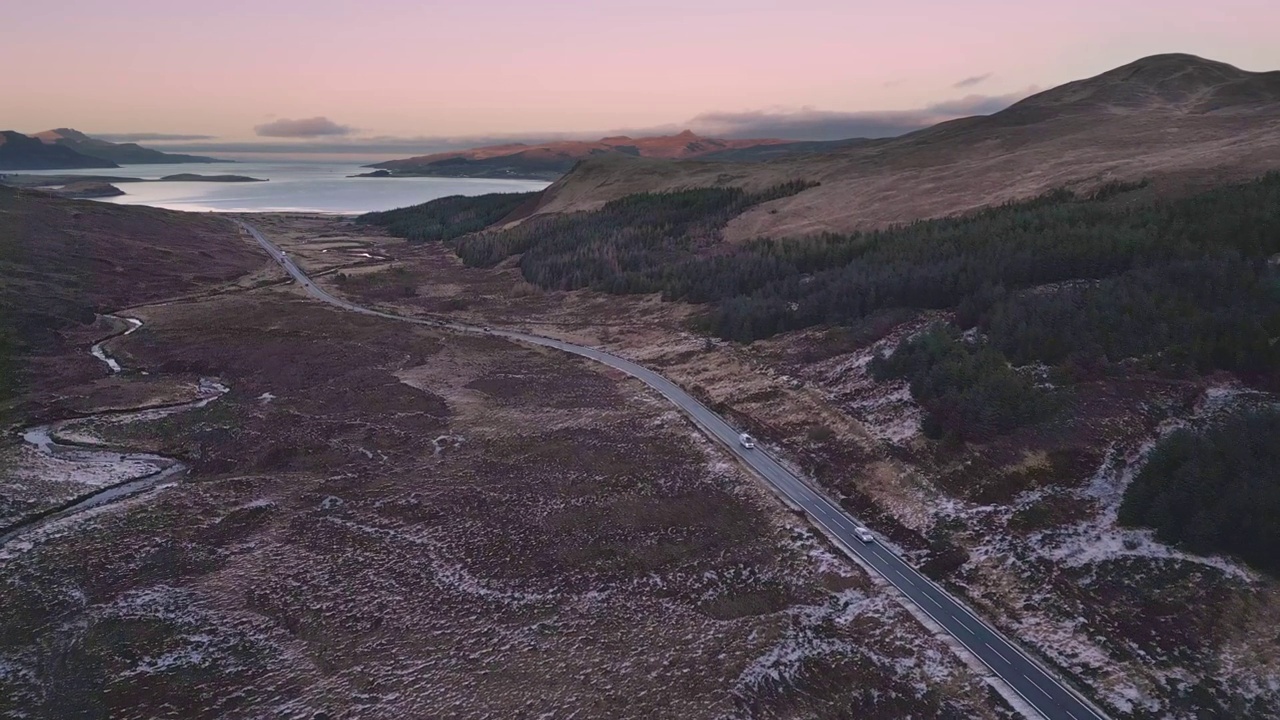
(436, 69)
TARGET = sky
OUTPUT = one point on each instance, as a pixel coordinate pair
(397, 76)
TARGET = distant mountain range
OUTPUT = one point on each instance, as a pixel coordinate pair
(548, 161)
(22, 152)
(66, 149)
(1178, 120)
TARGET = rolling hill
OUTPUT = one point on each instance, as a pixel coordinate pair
(1178, 120)
(120, 153)
(21, 152)
(553, 159)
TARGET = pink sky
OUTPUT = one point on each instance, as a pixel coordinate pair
(486, 67)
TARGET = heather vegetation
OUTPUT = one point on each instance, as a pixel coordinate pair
(1215, 491)
(1091, 285)
(448, 217)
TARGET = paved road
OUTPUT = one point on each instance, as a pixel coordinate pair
(1038, 688)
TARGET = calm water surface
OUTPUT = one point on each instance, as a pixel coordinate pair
(292, 187)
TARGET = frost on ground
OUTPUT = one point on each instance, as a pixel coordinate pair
(525, 536)
(886, 410)
(60, 462)
(1151, 630)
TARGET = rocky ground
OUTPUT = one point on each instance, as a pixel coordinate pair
(384, 521)
(1024, 526)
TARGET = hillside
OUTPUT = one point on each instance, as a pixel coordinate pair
(1176, 119)
(20, 152)
(551, 160)
(62, 261)
(120, 153)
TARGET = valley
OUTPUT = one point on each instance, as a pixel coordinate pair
(1011, 385)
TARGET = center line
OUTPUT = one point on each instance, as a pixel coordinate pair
(1033, 682)
(997, 652)
(966, 627)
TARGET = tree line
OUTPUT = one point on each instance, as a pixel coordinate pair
(1215, 490)
(1086, 284)
(448, 217)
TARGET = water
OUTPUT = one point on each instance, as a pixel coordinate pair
(292, 187)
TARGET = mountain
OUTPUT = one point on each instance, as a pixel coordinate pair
(553, 159)
(21, 152)
(1179, 120)
(121, 153)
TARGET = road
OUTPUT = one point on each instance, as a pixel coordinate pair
(1037, 687)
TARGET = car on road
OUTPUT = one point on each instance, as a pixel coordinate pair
(488, 329)
(864, 534)
(747, 441)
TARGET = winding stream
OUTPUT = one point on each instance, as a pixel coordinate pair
(157, 469)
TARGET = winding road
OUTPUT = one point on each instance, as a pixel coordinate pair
(1038, 687)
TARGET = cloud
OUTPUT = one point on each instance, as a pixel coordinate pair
(802, 124)
(303, 128)
(971, 81)
(381, 145)
(149, 137)
(811, 124)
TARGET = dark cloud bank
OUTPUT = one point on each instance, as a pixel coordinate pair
(829, 125)
(322, 135)
(148, 137)
(971, 81)
(303, 128)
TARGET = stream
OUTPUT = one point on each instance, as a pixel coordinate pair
(86, 451)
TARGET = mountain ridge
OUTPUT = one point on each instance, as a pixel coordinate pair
(1178, 119)
(552, 159)
(121, 153)
(23, 152)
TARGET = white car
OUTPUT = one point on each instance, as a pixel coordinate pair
(864, 534)
(747, 441)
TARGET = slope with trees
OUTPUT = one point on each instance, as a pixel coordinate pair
(1215, 491)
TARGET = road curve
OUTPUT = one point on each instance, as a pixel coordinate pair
(1040, 689)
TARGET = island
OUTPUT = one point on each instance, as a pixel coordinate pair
(87, 189)
(194, 177)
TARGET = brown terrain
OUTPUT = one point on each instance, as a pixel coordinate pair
(558, 157)
(1023, 526)
(1177, 120)
(382, 520)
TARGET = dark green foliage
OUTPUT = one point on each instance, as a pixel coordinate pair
(968, 389)
(448, 217)
(1215, 491)
(969, 262)
(1064, 280)
(627, 246)
(1218, 312)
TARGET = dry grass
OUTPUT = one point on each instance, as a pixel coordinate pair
(952, 170)
(388, 522)
(1009, 507)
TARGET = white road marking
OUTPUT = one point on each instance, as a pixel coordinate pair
(1033, 682)
(997, 652)
(775, 474)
